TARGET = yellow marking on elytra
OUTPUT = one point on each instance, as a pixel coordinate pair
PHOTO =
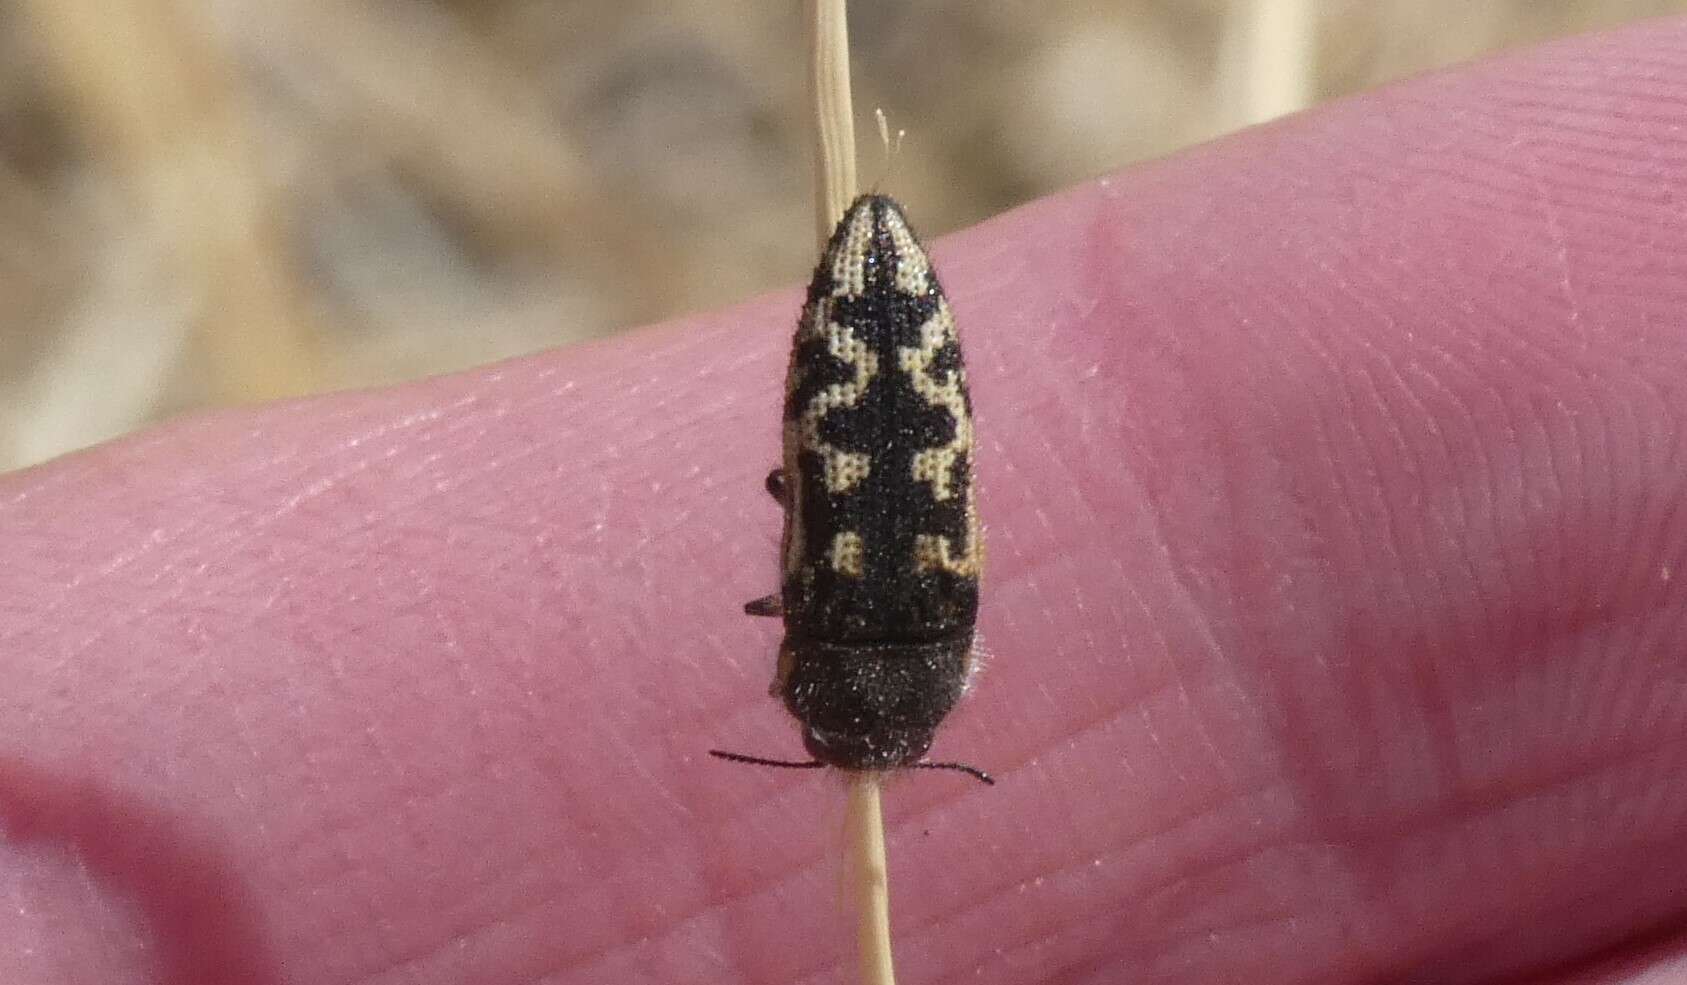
(935, 552)
(849, 554)
(936, 466)
(932, 553)
(913, 269)
(843, 469)
(849, 266)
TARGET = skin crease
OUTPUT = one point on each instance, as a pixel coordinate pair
(1332, 476)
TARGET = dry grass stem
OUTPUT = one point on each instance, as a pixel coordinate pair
(871, 877)
(1273, 59)
(159, 101)
(316, 194)
(834, 115)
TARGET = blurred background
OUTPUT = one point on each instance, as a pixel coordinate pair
(206, 202)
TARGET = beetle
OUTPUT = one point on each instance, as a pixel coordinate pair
(881, 551)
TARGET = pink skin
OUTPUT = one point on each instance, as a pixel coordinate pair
(1333, 476)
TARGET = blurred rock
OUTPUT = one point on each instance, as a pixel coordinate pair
(433, 185)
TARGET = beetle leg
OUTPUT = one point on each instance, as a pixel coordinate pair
(777, 488)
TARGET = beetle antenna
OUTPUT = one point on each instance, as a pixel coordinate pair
(738, 757)
(971, 771)
(814, 764)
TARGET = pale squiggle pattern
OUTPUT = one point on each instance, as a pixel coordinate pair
(849, 267)
(913, 270)
(934, 551)
(936, 466)
(849, 554)
(844, 469)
